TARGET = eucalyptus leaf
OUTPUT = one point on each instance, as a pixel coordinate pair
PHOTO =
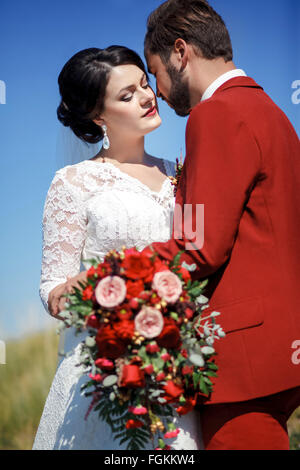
(90, 342)
(65, 315)
(161, 400)
(189, 267)
(156, 393)
(202, 299)
(196, 359)
(207, 350)
(110, 380)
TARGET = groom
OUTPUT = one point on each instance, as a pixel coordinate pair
(243, 164)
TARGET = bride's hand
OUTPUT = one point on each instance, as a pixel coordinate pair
(56, 303)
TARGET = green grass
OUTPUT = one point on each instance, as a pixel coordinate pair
(24, 385)
(294, 430)
(25, 380)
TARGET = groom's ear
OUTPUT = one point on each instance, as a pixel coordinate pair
(181, 53)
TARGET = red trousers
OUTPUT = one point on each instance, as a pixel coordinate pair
(259, 424)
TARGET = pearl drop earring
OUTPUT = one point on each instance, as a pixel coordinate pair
(106, 142)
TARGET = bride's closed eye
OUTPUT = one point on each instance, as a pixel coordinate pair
(129, 98)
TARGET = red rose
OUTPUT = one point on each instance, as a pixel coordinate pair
(109, 344)
(91, 272)
(104, 364)
(145, 295)
(133, 303)
(87, 294)
(124, 312)
(186, 370)
(154, 299)
(103, 269)
(170, 335)
(134, 288)
(148, 251)
(173, 392)
(185, 274)
(187, 407)
(132, 377)
(189, 313)
(125, 330)
(138, 266)
(160, 265)
(133, 424)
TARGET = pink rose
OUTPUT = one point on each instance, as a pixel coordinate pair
(167, 285)
(111, 291)
(149, 322)
(138, 410)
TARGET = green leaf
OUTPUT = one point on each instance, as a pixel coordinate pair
(176, 259)
(203, 387)
(211, 374)
(83, 309)
(158, 363)
(195, 291)
(212, 366)
(196, 379)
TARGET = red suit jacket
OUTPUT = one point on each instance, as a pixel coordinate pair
(243, 163)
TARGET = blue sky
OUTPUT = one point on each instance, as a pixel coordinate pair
(36, 39)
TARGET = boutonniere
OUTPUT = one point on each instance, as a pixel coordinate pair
(178, 170)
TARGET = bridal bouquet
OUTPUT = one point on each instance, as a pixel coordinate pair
(148, 353)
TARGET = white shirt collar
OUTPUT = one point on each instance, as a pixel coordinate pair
(220, 81)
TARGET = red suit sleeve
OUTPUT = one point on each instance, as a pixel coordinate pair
(221, 166)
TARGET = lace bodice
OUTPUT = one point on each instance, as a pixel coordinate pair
(93, 207)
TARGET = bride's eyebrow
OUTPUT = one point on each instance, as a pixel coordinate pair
(132, 86)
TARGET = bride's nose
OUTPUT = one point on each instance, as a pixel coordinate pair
(147, 97)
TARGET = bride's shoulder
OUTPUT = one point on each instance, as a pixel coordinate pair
(84, 177)
(71, 175)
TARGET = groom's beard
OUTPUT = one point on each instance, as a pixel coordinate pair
(179, 97)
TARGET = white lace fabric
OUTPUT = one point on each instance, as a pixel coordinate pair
(90, 209)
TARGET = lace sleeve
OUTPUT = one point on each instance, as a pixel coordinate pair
(64, 232)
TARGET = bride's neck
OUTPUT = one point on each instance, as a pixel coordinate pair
(125, 151)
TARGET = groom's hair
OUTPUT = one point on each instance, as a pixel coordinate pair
(196, 22)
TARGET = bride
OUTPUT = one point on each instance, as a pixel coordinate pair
(121, 196)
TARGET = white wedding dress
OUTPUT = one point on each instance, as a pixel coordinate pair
(93, 207)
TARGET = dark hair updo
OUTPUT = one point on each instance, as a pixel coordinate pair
(82, 85)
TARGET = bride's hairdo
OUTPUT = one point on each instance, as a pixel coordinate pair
(82, 85)
(195, 21)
